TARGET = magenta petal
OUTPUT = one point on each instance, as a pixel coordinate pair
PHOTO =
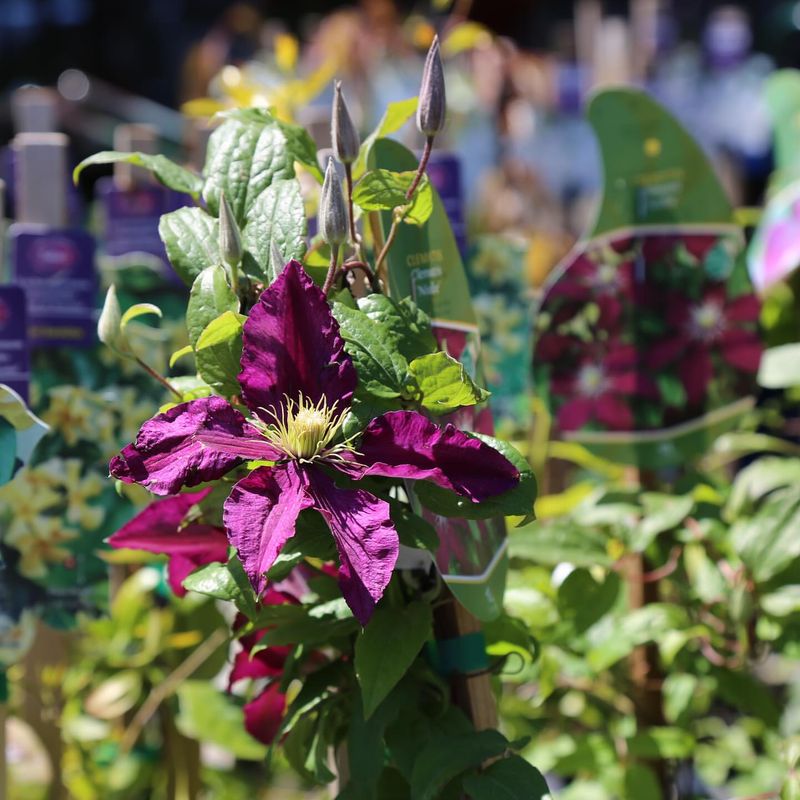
(575, 413)
(168, 453)
(613, 411)
(150, 528)
(181, 567)
(263, 716)
(260, 515)
(405, 444)
(744, 309)
(292, 346)
(742, 349)
(696, 372)
(365, 538)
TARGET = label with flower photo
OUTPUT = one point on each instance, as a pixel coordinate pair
(56, 269)
(131, 220)
(14, 355)
(647, 344)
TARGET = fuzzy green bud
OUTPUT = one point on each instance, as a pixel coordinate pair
(332, 217)
(230, 240)
(344, 135)
(432, 107)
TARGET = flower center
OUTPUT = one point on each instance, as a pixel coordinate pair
(591, 381)
(706, 321)
(303, 429)
(606, 277)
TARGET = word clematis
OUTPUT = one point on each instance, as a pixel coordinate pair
(297, 384)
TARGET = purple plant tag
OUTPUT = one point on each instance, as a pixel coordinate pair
(444, 170)
(14, 360)
(55, 267)
(132, 216)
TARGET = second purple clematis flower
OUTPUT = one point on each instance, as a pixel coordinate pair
(298, 383)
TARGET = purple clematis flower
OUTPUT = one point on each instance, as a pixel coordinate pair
(160, 528)
(298, 382)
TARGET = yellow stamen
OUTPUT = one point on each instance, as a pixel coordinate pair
(304, 430)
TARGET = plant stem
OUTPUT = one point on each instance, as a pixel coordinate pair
(169, 685)
(160, 378)
(387, 244)
(349, 266)
(331, 269)
(348, 176)
(423, 163)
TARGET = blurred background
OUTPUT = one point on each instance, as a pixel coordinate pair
(517, 80)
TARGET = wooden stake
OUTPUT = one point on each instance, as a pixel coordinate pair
(34, 109)
(3, 749)
(42, 701)
(471, 693)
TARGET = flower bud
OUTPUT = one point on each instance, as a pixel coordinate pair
(230, 240)
(344, 135)
(332, 217)
(432, 106)
(109, 325)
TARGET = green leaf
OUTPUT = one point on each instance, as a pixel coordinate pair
(662, 512)
(191, 387)
(421, 206)
(276, 217)
(511, 778)
(224, 582)
(179, 354)
(515, 502)
(671, 390)
(30, 429)
(770, 540)
(782, 602)
(638, 627)
(679, 689)
(444, 383)
(381, 369)
(210, 715)
(312, 539)
(191, 239)
(759, 479)
(386, 649)
(214, 580)
(167, 172)
(407, 324)
(219, 352)
(138, 310)
(780, 367)
(8, 450)
(506, 635)
(384, 190)
(395, 116)
(641, 782)
(249, 151)
(662, 743)
(210, 298)
(446, 758)
(583, 601)
(559, 540)
(306, 748)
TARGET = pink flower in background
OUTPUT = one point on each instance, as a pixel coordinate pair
(297, 382)
(600, 389)
(160, 529)
(604, 283)
(714, 325)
